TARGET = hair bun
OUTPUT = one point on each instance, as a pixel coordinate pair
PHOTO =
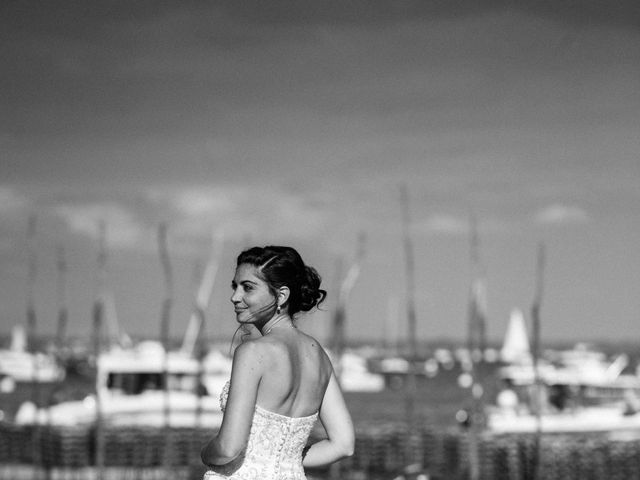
(311, 295)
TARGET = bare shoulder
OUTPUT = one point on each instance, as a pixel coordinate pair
(311, 340)
(262, 349)
(315, 344)
(251, 353)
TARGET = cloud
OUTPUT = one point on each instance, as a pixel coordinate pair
(123, 230)
(194, 202)
(11, 201)
(443, 224)
(239, 211)
(446, 224)
(558, 214)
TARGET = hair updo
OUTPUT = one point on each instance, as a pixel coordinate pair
(284, 267)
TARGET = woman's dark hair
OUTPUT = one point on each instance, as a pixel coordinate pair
(283, 266)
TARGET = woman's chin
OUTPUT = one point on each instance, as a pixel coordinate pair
(243, 318)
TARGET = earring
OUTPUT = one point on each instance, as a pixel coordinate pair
(278, 310)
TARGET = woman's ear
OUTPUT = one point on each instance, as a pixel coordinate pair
(283, 295)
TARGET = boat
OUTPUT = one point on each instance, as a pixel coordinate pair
(130, 390)
(354, 374)
(597, 418)
(572, 390)
(19, 365)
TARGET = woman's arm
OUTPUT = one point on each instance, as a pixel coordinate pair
(232, 437)
(337, 423)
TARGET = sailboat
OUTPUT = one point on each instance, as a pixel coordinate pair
(515, 348)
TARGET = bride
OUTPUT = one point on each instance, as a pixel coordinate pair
(282, 382)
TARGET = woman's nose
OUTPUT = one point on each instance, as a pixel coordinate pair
(235, 297)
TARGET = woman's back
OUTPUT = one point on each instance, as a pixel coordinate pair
(296, 374)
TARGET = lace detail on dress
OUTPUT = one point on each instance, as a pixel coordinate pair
(224, 394)
(274, 448)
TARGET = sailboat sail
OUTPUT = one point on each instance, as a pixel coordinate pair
(515, 348)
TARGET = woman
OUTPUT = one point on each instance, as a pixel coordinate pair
(281, 382)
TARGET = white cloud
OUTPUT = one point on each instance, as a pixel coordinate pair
(443, 224)
(196, 202)
(561, 214)
(262, 212)
(122, 228)
(10, 200)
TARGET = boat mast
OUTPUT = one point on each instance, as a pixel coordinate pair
(410, 387)
(98, 320)
(535, 319)
(63, 312)
(203, 296)
(390, 327)
(477, 329)
(346, 285)
(165, 315)
(31, 342)
(165, 320)
(99, 303)
(31, 281)
(476, 344)
(167, 272)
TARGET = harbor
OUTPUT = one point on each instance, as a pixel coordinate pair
(436, 438)
(419, 219)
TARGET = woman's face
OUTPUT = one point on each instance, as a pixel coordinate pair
(252, 300)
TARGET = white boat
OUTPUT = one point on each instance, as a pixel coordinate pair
(19, 365)
(354, 375)
(580, 389)
(597, 418)
(30, 367)
(130, 391)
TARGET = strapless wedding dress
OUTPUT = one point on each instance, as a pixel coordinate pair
(274, 448)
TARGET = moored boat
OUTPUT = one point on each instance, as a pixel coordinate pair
(130, 390)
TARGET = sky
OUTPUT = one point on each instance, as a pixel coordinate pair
(300, 123)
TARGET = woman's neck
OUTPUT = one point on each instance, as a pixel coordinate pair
(277, 320)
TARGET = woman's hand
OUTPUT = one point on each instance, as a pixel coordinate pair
(228, 468)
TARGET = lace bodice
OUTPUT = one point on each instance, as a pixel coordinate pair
(274, 448)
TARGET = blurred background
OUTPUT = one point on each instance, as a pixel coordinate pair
(450, 168)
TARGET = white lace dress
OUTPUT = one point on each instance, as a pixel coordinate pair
(274, 448)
